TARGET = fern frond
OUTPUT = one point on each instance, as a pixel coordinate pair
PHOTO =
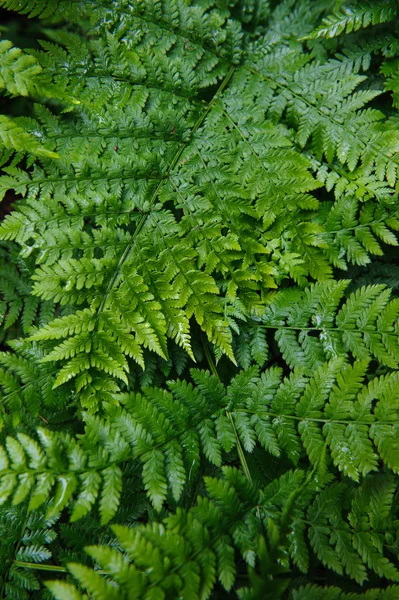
(329, 119)
(311, 327)
(25, 539)
(171, 433)
(314, 592)
(231, 173)
(229, 512)
(156, 254)
(182, 545)
(27, 386)
(16, 301)
(51, 10)
(390, 69)
(352, 18)
(354, 234)
(185, 181)
(17, 70)
(16, 137)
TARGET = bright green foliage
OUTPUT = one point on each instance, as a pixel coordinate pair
(141, 271)
(199, 313)
(315, 324)
(353, 18)
(17, 70)
(331, 418)
(14, 136)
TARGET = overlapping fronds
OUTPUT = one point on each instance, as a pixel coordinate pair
(188, 183)
(188, 198)
(318, 323)
(186, 554)
(25, 540)
(333, 419)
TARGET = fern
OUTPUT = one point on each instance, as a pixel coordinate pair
(390, 70)
(187, 533)
(354, 18)
(17, 70)
(313, 592)
(330, 418)
(25, 540)
(311, 327)
(17, 305)
(199, 316)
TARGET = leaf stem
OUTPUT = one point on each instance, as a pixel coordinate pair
(31, 565)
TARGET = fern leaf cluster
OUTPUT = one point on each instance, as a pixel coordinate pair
(332, 418)
(312, 326)
(353, 18)
(199, 320)
(212, 534)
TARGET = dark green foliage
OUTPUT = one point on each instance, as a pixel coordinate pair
(25, 539)
(199, 311)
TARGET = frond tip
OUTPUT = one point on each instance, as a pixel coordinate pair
(352, 18)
